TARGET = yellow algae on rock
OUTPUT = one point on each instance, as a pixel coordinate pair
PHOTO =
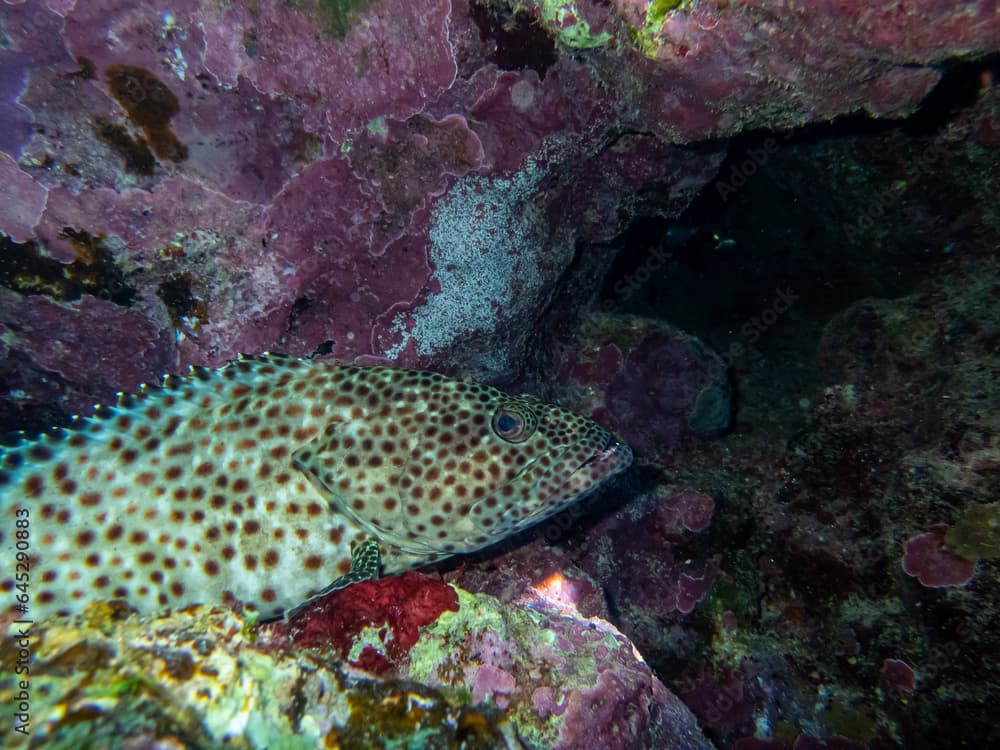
(193, 679)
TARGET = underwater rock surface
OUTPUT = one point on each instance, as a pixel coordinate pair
(384, 179)
(649, 381)
(807, 554)
(855, 498)
(474, 673)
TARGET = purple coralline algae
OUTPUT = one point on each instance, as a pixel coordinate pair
(395, 180)
(287, 178)
(692, 509)
(665, 390)
(52, 336)
(899, 674)
(713, 68)
(634, 555)
(651, 382)
(565, 680)
(928, 559)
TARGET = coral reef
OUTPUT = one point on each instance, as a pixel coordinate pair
(665, 389)
(467, 672)
(201, 678)
(651, 566)
(649, 381)
(565, 680)
(759, 239)
(862, 420)
(930, 561)
(642, 567)
(377, 180)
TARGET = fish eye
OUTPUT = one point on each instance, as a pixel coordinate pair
(510, 425)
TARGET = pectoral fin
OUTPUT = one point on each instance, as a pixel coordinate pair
(366, 565)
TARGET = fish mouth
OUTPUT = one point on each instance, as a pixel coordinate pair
(611, 451)
(612, 458)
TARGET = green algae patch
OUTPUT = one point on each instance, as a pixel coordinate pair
(337, 15)
(976, 535)
(197, 678)
(434, 653)
(658, 10)
(334, 17)
(377, 127)
(540, 658)
(848, 721)
(563, 18)
(647, 37)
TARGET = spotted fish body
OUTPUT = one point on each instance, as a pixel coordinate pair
(255, 481)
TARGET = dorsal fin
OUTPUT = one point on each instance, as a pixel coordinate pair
(196, 377)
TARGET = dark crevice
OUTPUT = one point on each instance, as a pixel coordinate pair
(186, 310)
(25, 270)
(521, 42)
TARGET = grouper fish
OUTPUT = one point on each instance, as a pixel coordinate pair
(273, 480)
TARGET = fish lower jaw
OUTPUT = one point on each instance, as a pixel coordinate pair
(616, 453)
